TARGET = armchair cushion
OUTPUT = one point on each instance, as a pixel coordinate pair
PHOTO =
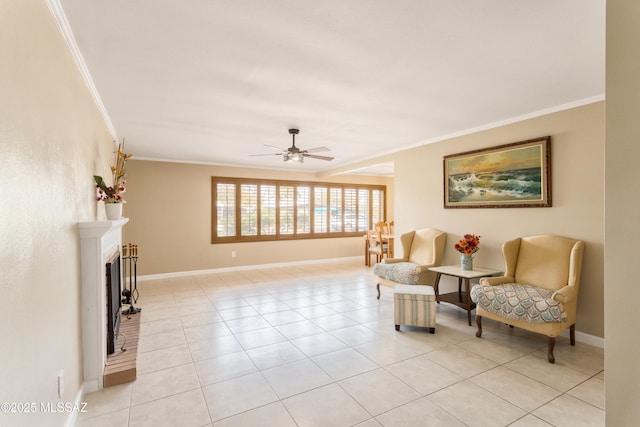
(519, 302)
(406, 273)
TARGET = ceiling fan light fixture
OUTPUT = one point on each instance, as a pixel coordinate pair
(293, 157)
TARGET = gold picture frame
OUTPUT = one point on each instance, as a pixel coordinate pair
(516, 175)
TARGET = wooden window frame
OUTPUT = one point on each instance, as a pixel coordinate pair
(238, 182)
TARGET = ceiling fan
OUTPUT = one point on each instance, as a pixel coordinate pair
(294, 154)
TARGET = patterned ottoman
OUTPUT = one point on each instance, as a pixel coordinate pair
(414, 305)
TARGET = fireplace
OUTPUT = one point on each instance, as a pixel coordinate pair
(114, 311)
(99, 240)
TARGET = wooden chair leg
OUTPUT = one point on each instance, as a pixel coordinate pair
(479, 323)
(378, 288)
(552, 343)
(572, 334)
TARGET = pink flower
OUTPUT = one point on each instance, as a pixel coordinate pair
(112, 194)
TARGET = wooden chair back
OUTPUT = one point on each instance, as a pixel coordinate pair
(382, 227)
(376, 245)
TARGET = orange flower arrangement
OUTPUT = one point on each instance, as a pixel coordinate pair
(469, 245)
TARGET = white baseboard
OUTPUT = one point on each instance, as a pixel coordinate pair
(91, 386)
(72, 419)
(243, 268)
(585, 338)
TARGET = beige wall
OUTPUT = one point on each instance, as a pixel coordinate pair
(52, 140)
(578, 198)
(622, 350)
(169, 206)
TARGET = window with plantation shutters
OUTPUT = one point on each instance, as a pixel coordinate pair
(336, 210)
(350, 210)
(364, 222)
(287, 209)
(303, 205)
(377, 206)
(268, 204)
(247, 210)
(225, 209)
(320, 212)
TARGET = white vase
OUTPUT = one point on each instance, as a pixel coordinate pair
(113, 211)
(466, 262)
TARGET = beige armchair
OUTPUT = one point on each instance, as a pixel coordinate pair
(421, 249)
(539, 291)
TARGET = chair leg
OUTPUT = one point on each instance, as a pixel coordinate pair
(552, 343)
(572, 334)
(378, 288)
(479, 323)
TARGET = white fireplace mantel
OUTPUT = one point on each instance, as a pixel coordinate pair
(98, 240)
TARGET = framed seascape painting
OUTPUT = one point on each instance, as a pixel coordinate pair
(516, 175)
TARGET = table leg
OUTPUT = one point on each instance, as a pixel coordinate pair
(435, 287)
(367, 257)
(459, 289)
(466, 283)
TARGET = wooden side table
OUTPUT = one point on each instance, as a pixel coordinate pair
(460, 298)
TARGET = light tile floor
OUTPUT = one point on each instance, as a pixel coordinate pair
(312, 346)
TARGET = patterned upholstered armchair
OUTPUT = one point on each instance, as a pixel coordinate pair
(539, 291)
(421, 249)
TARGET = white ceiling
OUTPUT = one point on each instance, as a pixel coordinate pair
(213, 81)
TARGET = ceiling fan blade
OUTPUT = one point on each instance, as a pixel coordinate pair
(270, 154)
(277, 148)
(313, 156)
(316, 150)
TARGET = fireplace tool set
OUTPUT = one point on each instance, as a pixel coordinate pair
(130, 261)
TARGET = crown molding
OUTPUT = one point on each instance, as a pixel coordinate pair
(63, 26)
